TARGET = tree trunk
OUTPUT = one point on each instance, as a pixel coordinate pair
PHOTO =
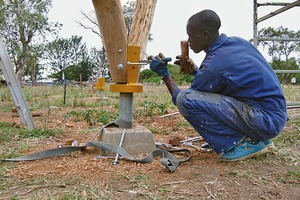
(19, 72)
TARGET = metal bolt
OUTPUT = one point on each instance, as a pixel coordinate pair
(120, 50)
(120, 66)
(116, 161)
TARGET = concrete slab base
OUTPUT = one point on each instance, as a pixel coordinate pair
(136, 141)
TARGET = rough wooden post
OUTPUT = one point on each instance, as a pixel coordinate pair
(141, 24)
(121, 54)
(112, 26)
(113, 30)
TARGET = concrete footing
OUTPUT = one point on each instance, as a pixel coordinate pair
(136, 141)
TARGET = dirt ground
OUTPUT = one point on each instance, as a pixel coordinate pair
(81, 175)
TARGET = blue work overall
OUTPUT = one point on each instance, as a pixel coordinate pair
(235, 95)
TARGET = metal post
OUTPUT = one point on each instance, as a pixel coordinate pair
(125, 110)
(255, 23)
(15, 88)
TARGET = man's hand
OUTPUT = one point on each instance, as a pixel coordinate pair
(189, 67)
(158, 64)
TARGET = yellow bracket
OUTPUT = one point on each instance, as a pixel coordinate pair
(132, 85)
(100, 84)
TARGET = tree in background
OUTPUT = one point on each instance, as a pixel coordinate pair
(34, 68)
(281, 51)
(62, 53)
(24, 23)
(84, 69)
(99, 61)
(290, 64)
(148, 76)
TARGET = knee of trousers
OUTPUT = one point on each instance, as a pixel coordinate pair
(180, 104)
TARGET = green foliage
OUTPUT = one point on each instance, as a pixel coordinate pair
(37, 133)
(91, 116)
(62, 53)
(5, 132)
(23, 23)
(84, 68)
(148, 76)
(8, 131)
(148, 108)
(178, 77)
(279, 49)
(287, 139)
(295, 174)
(4, 95)
(289, 64)
(33, 68)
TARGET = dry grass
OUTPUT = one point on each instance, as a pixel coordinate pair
(81, 176)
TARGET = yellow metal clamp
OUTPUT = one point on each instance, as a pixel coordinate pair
(100, 84)
(133, 70)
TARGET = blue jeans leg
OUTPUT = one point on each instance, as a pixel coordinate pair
(222, 121)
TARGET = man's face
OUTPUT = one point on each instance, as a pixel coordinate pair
(198, 40)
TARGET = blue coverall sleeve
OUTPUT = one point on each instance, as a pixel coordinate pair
(207, 81)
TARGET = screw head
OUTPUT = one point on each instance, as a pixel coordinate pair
(120, 66)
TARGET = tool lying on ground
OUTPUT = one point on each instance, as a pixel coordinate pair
(189, 142)
(167, 160)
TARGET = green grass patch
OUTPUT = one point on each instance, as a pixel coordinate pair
(5, 132)
(8, 131)
(290, 136)
(91, 116)
(37, 133)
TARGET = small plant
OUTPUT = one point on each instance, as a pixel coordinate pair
(91, 116)
(295, 176)
(149, 108)
(73, 113)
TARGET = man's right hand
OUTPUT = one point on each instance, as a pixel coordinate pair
(189, 67)
(159, 64)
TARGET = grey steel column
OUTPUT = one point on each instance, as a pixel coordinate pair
(15, 88)
(125, 110)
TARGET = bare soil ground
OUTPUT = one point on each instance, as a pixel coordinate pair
(81, 175)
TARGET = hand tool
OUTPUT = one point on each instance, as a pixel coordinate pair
(190, 144)
(184, 55)
(115, 162)
(193, 139)
(150, 58)
(164, 145)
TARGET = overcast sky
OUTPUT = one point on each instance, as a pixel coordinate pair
(170, 17)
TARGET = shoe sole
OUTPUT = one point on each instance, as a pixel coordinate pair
(271, 147)
(259, 153)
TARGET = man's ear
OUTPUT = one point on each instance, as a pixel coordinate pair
(206, 34)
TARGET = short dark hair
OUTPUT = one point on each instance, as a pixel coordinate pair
(205, 19)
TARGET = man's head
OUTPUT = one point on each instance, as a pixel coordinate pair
(202, 29)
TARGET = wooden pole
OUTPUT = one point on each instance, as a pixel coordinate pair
(141, 24)
(113, 30)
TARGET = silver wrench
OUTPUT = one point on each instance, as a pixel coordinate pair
(190, 144)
